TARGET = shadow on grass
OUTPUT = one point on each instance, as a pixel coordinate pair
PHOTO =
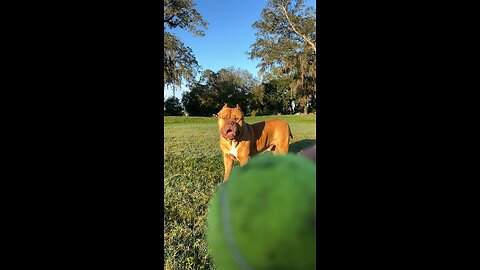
(300, 145)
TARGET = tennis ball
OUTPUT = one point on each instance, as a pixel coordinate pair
(264, 216)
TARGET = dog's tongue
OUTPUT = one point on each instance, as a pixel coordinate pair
(230, 135)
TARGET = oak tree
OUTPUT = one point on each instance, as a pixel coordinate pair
(179, 61)
(286, 45)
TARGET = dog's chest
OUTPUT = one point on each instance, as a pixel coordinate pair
(233, 150)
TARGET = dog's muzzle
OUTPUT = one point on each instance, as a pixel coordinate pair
(231, 131)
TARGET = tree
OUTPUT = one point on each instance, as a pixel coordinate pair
(272, 96)
(299, 22)
(173, 107)
(179, 61)
(286, 45)
(182, 14)
(214, 89)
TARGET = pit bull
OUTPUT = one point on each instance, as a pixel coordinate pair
(240, 141)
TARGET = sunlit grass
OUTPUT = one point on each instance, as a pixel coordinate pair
(193, 169)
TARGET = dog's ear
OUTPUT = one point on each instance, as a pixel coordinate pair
(238, 107)
(224, 106)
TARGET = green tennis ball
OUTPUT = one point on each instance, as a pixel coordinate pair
(264, 216)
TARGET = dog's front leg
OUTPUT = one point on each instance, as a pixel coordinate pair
(243, 159)
(228, 162)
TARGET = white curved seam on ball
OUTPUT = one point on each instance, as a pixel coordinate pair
(227, 227)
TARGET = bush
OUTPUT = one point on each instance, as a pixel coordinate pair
(173, 107)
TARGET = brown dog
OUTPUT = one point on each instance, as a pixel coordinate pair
(240, 141)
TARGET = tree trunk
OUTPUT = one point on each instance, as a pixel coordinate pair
(290, 106)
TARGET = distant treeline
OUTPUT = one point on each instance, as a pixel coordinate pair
(236, 86)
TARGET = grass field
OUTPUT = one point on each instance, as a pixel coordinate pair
(193, 170)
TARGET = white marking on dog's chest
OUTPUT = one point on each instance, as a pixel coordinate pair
(233, 151)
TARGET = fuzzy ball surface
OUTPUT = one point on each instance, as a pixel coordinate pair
(264, 216)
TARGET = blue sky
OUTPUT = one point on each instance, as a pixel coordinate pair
(228, 36)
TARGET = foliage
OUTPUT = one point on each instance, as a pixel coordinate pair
(214, 89)
(179, 61)
(286, 45)
(273, 96)
(193, 170)
(182, 14)
(173, 107)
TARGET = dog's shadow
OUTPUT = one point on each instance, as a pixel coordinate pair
(301, 145)
(293, 148)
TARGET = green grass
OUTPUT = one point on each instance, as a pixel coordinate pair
(193, 170)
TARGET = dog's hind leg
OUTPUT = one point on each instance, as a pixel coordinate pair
(281, 147)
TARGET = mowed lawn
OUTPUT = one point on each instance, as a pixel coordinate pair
(193, 170)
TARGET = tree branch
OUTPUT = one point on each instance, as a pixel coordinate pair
(296, 31)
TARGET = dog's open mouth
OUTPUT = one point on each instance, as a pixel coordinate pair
(231, 134)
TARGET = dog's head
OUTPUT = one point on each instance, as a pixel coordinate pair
(230, 122)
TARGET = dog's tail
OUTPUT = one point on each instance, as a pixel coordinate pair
(291, 135)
